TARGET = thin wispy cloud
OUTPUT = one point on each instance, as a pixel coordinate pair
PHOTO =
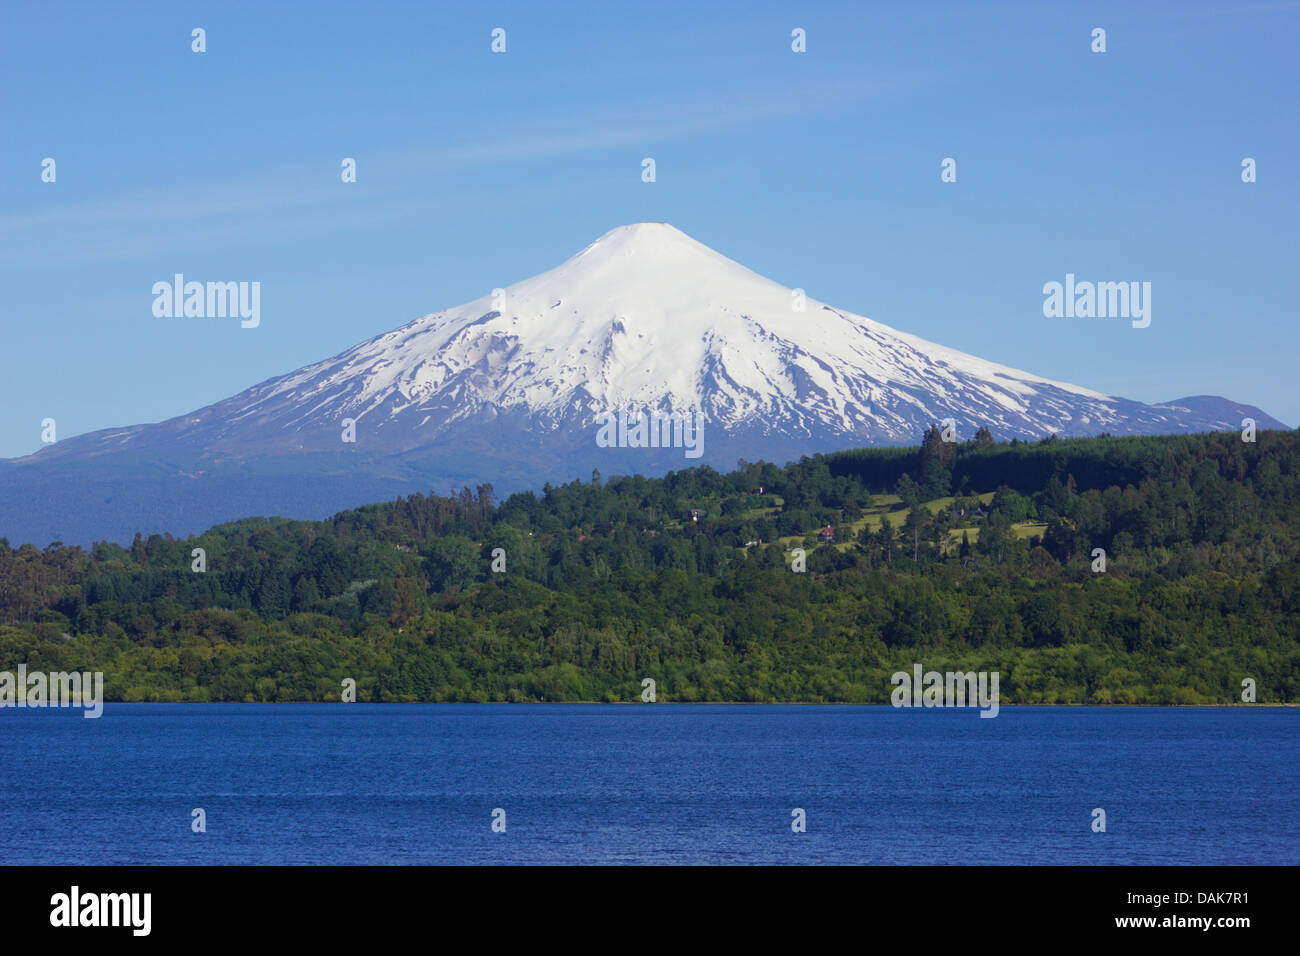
(278, 204)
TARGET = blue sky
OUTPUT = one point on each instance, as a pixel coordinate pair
(475, 170)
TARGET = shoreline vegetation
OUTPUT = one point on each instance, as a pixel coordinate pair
(1134, 571)
(681, 703)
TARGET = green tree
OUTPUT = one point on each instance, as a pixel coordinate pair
(403, 608)
(885, 537)
(908, 490)
(915, 529)
(450, 562)
(996, 538)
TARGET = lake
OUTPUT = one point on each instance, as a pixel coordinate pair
(648, 783)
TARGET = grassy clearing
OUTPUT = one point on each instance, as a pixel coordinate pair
(891, 505)
(1023, 530)
(1027, 529)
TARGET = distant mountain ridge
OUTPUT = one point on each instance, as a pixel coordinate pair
(509, 389)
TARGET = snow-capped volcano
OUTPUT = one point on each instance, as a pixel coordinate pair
(510, 388)
(648, 317)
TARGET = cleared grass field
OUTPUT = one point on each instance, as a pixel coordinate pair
(1023, 530)
(890, 505)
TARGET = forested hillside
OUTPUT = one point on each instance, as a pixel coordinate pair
(975, 555)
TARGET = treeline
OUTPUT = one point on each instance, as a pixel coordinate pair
(583, 590)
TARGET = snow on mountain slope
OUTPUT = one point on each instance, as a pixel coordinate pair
(648, 317)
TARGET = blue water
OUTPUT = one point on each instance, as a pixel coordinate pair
(647, 783)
